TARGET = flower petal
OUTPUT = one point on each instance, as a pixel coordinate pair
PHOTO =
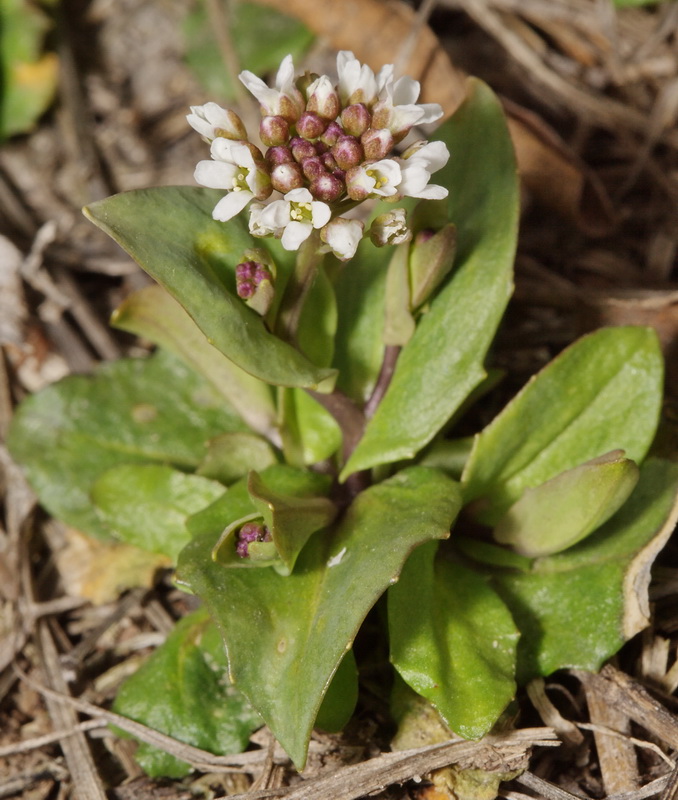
(295, 233)
(215, 174)
(232, 204)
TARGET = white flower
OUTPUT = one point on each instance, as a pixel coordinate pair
(390, 228)
(293, 218)
(375, 179)
(397, 108)
(285, 100)
(211, 121)
(342, 237)
(357, 82)
(416, 168)
(234, 168)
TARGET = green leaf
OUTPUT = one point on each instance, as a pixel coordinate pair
(231, 456)
(133, 411)
(261, 39)
(183, 691)
(358, 345)
(310, 433)
(563, 511)
(453, 641)
(443, 362)
(28, 78)
(603, 393)
(155, 315)
(576, 608)
(147, 505)
(318, 321)
(341, 697)
(285, 636)
(170, 232)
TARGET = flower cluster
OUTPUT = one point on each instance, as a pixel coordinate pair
(327, 147)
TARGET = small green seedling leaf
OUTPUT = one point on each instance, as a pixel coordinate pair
(603, 393)
(283, 634)
(170, 232)
(453, 641)
(563, 511)
(431, 260)
(576, 608)
(147, 505)
(309, 433)
(183, 691)
(154, 314)
(399, 323)
(231, 456)
(443, 361)
(133, 411)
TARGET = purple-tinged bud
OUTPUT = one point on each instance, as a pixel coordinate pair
(329, 162)
(332, 133)
(301, 148)
(279, 155)
(251, 532)
(254, 280)
(327, 188)
(288, 176)
(347, 152)
(356, 119)
(274, 131)
(323, 98)
(377, 143)
(313, 168)
(310, 125)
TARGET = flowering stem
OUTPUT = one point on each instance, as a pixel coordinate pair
(298, 287)
(391, 354)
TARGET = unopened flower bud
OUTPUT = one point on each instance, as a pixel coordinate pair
(356, 119)
(347, 152)
(287, 176)
(313, 167)
(390, 228)
(331, 165)
(254, 280)
(274, 131)
(301, 148)
(332, 132)
(305, 81)
(323, 98)
(354, 184)
(211, 121)
(249, 533)
(310, 125)
(377, 143)
(279, 155)
(327, 188)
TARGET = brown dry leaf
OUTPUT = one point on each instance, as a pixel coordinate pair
(100, 571)
(378, 30)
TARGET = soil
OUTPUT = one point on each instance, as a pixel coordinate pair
(592, 94)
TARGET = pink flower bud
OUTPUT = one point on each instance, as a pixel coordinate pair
(377, 143)
(310, 125)
(274, 131)
(313, 168)
(356, 119)
(279, 155)
(347, 152)
(301, 148)
(327, 188)
(288, 176)
(332, 133)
